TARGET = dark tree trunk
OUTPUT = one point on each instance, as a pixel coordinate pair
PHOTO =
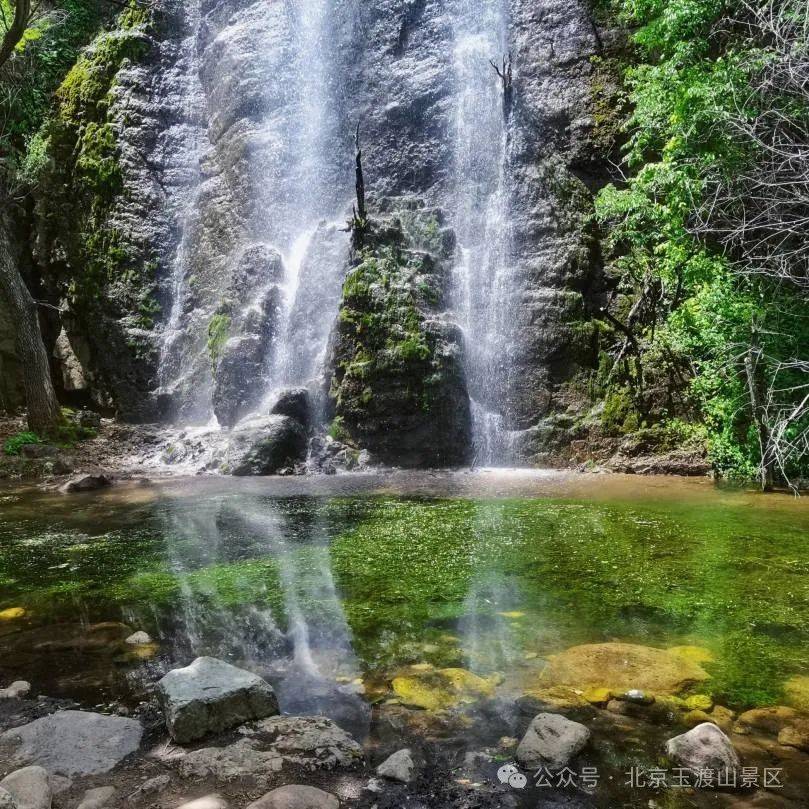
(755, 391)
(44, 412)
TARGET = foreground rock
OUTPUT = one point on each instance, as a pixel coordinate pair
(398, 767)
(551, 741)
(264, 445)
(211, 696)
(213, 801)
(73, 742)
(7, 800)
(309, 742)
(703, 747)
(296, 796)
(623, 666)
(30, 788)
(788, 726)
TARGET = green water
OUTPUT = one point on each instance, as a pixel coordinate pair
(357, 583)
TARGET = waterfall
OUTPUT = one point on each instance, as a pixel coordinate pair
(483, 271)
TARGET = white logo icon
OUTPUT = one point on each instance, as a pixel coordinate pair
(506, 772)
(518, 781)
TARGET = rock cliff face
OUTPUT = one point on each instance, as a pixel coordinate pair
(198, 171)
(398, 387)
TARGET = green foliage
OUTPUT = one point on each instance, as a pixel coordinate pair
(218, 331)
(690, 76)
(13, 444)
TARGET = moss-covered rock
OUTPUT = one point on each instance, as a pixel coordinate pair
(440, 689)
(398, 386)
(89, 256)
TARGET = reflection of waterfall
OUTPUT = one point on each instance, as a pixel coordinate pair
(487, 637)
(483, 274)
(245, 569)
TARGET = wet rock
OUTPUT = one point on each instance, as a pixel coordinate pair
(74, 742)
(555, 698)
(703, 747)
(294, 403)
(296, 796)
(98, 798)
(787, 725)
(699, 702)
(551, 741)
(264, 445)
(398, 767)
(138, 639)
(210, 696)
(436, 689)
(622, 666)
(16, 690)
(309, 742)
(88, 483)
(637, 697)
(29, 787)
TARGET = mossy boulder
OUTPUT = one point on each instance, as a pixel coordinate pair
(622, 666)
(397, 385)
(440, 689)
(796, 691)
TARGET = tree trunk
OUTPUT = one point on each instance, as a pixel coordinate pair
(44, 412)
(754, 389)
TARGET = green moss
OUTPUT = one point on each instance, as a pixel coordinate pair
(16, 442)
(218, 331)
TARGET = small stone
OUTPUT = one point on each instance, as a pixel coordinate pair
(12, 614)
(636, 696)
(696, 717)
(597, 696)
(723, 717)
(211, 696)
(398, 767)
(30, 787)
(16, 690)
(98, 798)
(705, 747)
(213, 801)
(551, 741)
(296, 796)
(150, 786)
(7, 800)
(138, 639)
(375, 785)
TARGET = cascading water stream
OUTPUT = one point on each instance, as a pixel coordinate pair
(483, 275)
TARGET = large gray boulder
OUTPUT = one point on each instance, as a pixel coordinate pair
(265, 445)
(296, 796)
(211, 696)
(30, 788)
(704, 747)
(551, 741)
(73, 742)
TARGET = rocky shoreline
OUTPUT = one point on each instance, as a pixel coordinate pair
(210, 736)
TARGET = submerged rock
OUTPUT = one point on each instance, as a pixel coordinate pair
(437, 689)
(296, 796)
(796, 691)
(264, 445)
(88, 483)
(30, 788)
(210, 696)
(787, 725)
(74, 742)
(621, 667)
(398, 767)
(551, 741)
(705, 747)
